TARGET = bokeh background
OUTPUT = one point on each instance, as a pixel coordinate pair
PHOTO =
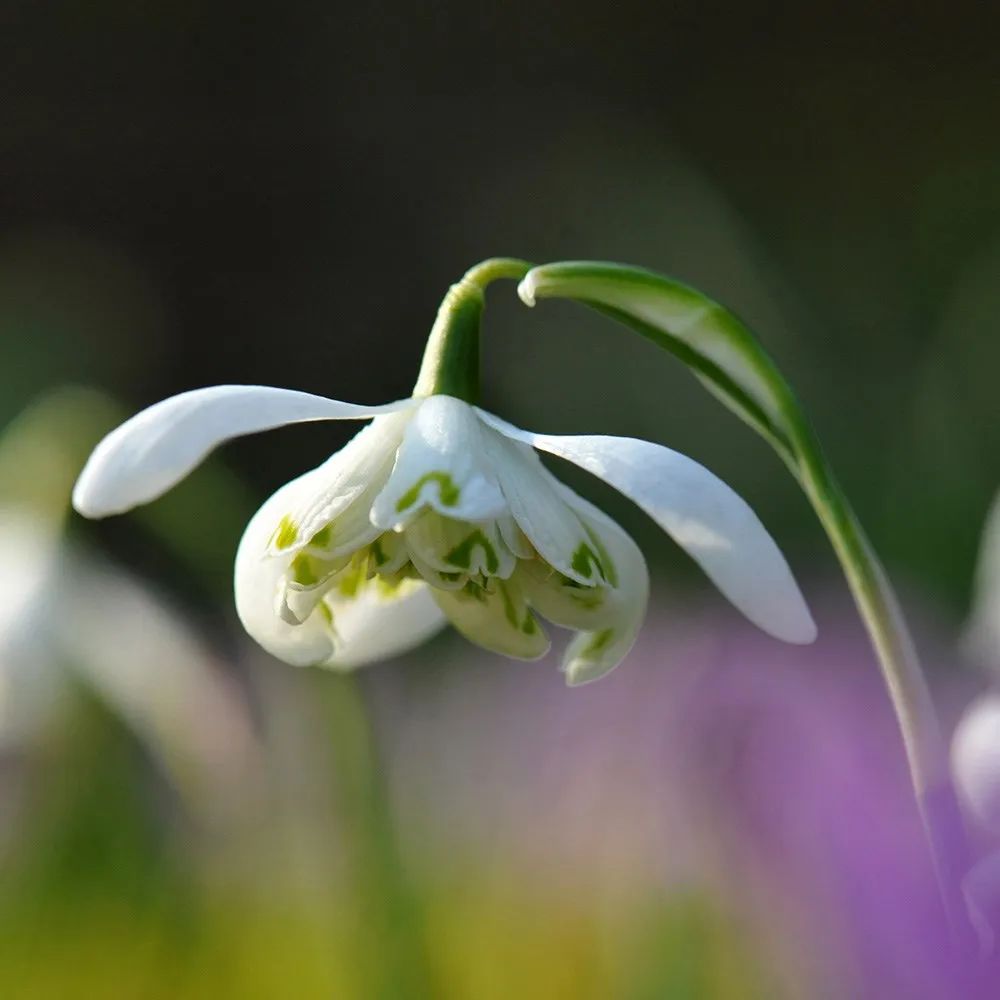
(193, 194)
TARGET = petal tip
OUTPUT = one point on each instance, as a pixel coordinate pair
(582, 679)
(802, 628)
(579, 673)
(798, 629)
(87, 501)
(808, 635)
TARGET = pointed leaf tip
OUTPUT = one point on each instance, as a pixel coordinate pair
(713, 342)
(527, 288)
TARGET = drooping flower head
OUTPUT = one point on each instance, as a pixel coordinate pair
(438, 511)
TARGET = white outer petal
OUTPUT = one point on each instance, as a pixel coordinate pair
(368, 628)
(443, 436)
(347, 484)
(375, 627)
(256, 581)
(710, 521)
(155, 449)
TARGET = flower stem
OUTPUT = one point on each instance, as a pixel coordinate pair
(451, 359)
(925, 748)
(729, 360)
(392, 949)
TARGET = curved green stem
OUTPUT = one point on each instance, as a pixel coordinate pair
(451, 359)
(726, 356)
(393, 956)
(926, 751)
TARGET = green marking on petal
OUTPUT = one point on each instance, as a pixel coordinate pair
(354, 575)
(398, 577)
(585, 561)
(585, 595)
(388, 588)
(588, 598)
(304, 571)
(599, 642)
(461, 554)
(286, 534)
(527, 625)
(378, 555)
(323, 537)
(606, 564)
(324, 610)
(448, 493)
(510, 612)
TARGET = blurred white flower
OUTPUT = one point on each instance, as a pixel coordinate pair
(28, 680)
(976, 744)
(67, 617)
(441, 511)
(975, 752)
(975, 748)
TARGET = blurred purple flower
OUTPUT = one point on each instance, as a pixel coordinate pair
(769, 776)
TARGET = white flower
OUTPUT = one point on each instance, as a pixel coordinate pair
(975, 748)
(975, 754)
(440, 511)
(80, 622)
(69, 620)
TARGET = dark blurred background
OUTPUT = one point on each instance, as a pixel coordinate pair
(193, 194)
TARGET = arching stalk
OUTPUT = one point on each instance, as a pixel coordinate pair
(726, 356)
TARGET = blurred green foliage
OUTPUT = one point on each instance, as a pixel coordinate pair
(193, 194)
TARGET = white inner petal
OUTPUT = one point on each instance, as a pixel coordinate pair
(594, 653)
(440, 465)
(451, 546)
(497, 619)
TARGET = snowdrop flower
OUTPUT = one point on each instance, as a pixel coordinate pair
(438, 511)
(67, 617)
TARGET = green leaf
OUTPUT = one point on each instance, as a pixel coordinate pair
(713, 342)
(726, 356)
